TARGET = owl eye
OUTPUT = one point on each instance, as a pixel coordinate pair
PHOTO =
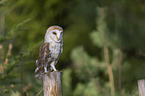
(54, 33)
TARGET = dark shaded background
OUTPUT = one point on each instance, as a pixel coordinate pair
(23, 25)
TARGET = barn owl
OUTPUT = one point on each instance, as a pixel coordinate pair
(49, 51)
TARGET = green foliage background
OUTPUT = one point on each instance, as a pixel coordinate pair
(24, 23)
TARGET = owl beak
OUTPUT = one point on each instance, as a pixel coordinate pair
(58, 37)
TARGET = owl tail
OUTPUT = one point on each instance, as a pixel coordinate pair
(38, 71)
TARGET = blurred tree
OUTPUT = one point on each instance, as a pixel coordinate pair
(124, 24)
(67, 81)
(125, 20)
(90, 70)
(90, 67)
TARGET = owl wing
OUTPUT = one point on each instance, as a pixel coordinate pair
(61, 46)
(44, 53)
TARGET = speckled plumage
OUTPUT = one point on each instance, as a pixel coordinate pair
(49, 51)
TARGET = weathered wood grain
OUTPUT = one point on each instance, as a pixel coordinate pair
(52, 84)
(141, 87)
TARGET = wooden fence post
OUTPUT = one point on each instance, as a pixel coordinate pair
(141, 87)
(52, 84)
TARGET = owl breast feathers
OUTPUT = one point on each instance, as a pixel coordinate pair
(49, 51)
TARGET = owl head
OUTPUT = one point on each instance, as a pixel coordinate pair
(54, 33)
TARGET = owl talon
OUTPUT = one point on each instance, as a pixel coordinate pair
(46, 72)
